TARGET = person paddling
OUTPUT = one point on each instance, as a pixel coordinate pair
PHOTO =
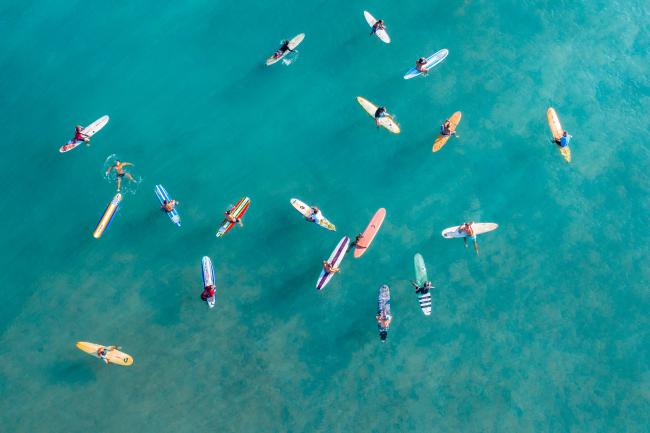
(564, 140)
(282, 50)
(169, 205)
(420, 66)
(469, 230)
(102, 352)
(119, 169)
(232, 219)
(379, 25)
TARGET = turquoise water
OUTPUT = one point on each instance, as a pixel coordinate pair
(545, 331)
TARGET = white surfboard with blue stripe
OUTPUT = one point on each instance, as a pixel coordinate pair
(163, 195)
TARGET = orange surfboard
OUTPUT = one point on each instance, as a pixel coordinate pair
(369, 233)
(441, 140)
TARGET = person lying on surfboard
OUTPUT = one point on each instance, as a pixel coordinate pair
(282, 50)
(424, 289)
(467, 228)
(379, 113)
(564, 140)
(419, 65)
(208, 292)
(355, 241)
(232, 219)
(78, 135)
(102, 352)
(329, 268)
(169, 205)
(379, 25)
(445, 129)
(119, 169)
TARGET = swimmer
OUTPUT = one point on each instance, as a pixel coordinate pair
(169, 205)
(379, 25)
(329, 269)
(419, 65)
(424, 289)
(467, 228)
(282, 50)
(102, 352)
(379, 113)
(79, 135)
(564, 140)
(119, 169)
(445, 129)
(231, 218)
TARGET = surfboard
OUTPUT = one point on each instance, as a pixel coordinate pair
(420, 279)
(334, 260)
(113, 356)
(432, 61)
(556, 130)
(208, 278)
(305, 210)
(107, 218)
(88, 131)
(369, 233)
(479, 229)
(383, 310)
(387, 121)
(381, 34)
(441, 140)
(238, 211)
(162, 195)
(293, 43)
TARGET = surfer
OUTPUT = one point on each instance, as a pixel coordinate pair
(169, 205)
(119, 169)
(383, 321)
(379, 113)
(564, 140)
(467, 228)
(379, 25)
(445, 129)
(208, 292)
(232, 219)
(315, 216)
(329, 268)
(424, 289)
(79, 135)
(282, 50)
(102, 352)
(355, 241)
(419, 65)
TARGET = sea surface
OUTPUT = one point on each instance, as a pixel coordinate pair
(547, 330)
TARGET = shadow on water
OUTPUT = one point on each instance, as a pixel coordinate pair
(72, 373)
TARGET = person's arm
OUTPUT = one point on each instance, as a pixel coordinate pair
(465, 241)
(109, 169)
(241, 224)
(414, 284)
(476, 246)
(124, 164)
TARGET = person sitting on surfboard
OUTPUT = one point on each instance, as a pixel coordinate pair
(379, 25)
(283, 49)
(119, 169)
(379, 113)
(315, 216)
(169, 205)
(383, 320)
(424, 289)
(78, 135)
(564, 140)
(208, 292)
(355, 241)
(467, 228)
(102, 352)
(419, 65)
(232, 219)
(445, 129)
(329, 268)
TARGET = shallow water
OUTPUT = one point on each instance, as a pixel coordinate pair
(547, 330)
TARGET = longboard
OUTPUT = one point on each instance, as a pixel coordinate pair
(479, 229)
(293, 43)
(305, 210)
(163, 195)
(207, 271)
(88, 131)
(432, 61)
(420, 279)
(107, 218)
(441, 140)
(381, 34)
(369, 233)
(238, 211)
(556, 130)
(383, 310)
(387, 121)
(334, 260)
(113, 356)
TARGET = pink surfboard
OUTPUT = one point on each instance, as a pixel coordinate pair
(369, 233)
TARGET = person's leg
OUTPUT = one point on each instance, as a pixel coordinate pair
(119, 182)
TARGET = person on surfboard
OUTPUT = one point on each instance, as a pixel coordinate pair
(424, 289)
(329, 269)
(379, 25)
(419, 65)
(564, 140)
(119, 169)
(282, 50)
(383, 320)
(232, 219)
(379, 113)
(315, 216)
(467, 228)
(102, 352)
(79, 136)
(208, 292)
(445, 129)
(355, 241)
(169, 205)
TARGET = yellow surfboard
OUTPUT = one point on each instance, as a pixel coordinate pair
(113, 356)
(441, 140)
(556, 130)
(387, 121)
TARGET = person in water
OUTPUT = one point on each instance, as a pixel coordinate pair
(469, 229)
(169, 205)
(283, 50)
(419, 65)
(356, 240)
(445, 129)
(564, 140)
(119, 169)
(315, 215)
(79, 135)
(379, 113)
(231, 218)
(329, 269)
(208, 292)
(424, 289)
(379, 25)
(102, 352)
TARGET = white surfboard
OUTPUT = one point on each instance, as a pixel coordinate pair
(382, 34)
(208, 278)
(387, 121)
(305, 210)
(479, 229)
(293, 43)
(88, 131)
(335, 261)
(432, 61)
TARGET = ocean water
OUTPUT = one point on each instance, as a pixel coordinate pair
(546, 331)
